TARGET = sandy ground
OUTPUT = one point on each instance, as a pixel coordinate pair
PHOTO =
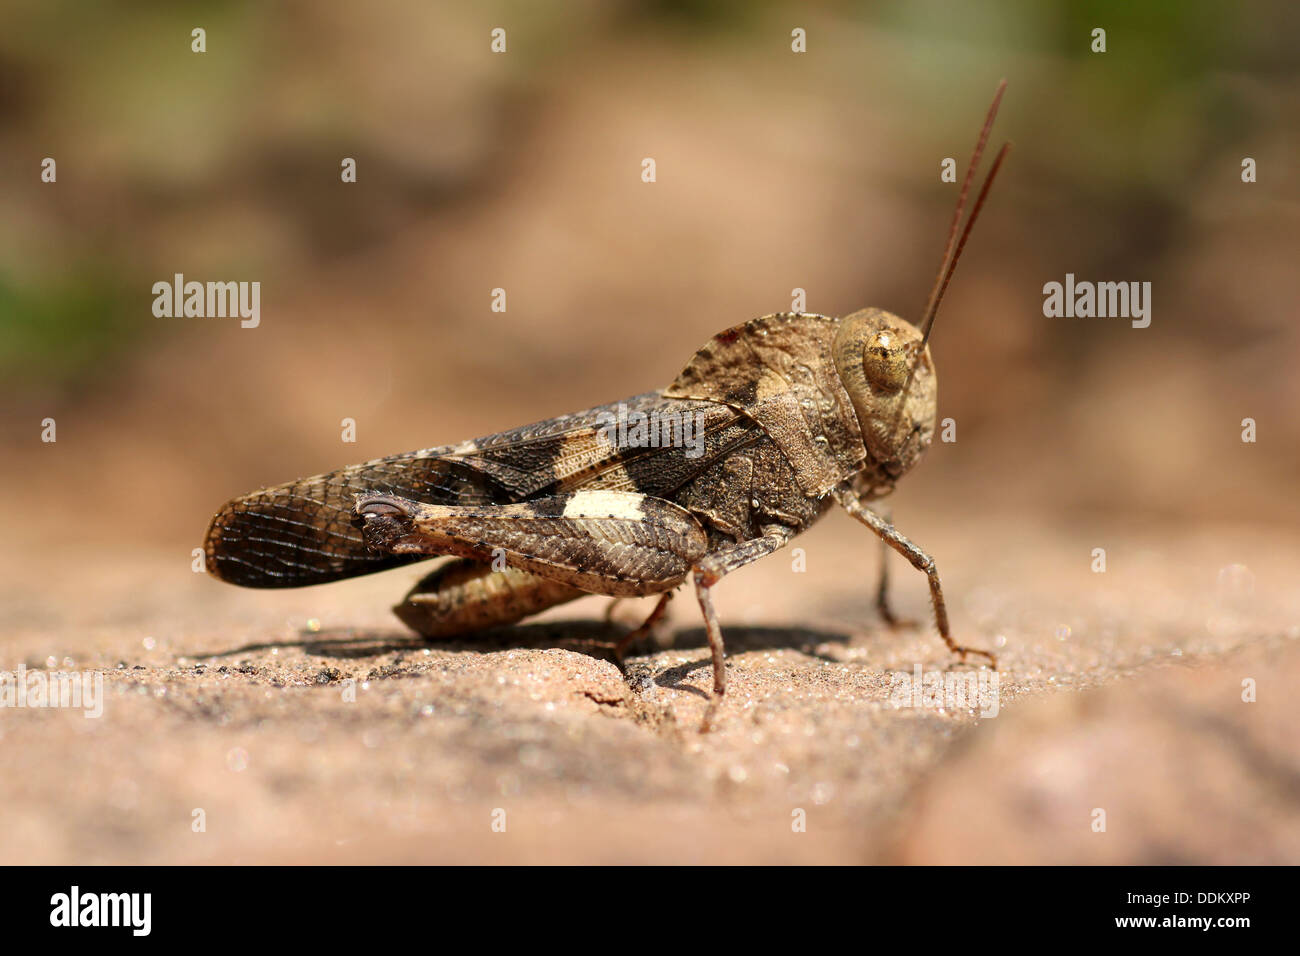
(307, 726)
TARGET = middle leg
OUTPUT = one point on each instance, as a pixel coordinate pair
(710, 570)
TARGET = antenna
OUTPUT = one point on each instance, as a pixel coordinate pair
(952, 251)
(965, 234)
(949, 260)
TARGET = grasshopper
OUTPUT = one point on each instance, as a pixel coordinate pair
(793, 414)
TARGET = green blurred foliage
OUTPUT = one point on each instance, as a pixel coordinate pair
(67, 333)
(156, 143)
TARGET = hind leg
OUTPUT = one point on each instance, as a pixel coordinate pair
(465, 595)
(545, 551)
(634, 635)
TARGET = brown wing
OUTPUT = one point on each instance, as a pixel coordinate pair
(301, 532)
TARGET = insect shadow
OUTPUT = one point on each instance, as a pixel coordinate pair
(740, 639)
(596, 639)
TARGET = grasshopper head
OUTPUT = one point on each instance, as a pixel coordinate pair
(875, 352)
(884, 361)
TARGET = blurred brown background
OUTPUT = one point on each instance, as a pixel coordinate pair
(522, 171)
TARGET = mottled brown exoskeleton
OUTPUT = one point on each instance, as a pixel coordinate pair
(791, 414)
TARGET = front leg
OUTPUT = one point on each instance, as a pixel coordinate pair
(850, 502)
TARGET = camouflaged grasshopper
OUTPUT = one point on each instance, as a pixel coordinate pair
(795, 413)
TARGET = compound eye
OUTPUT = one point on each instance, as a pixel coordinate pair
(884, 359)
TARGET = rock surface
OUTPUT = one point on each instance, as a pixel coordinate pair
(306, 726)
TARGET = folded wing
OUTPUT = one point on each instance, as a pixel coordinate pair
(302, 532)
